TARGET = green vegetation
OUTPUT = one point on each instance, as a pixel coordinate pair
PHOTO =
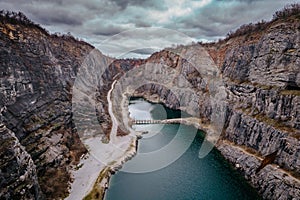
(55, 182)
(56, 126)
(280, 125)
(247, 29)
(8, 17)
(290, 92)
(98, 191)
(287, 11)
(6, 143)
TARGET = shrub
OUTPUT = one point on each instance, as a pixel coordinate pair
(18, 18)
(287, 11)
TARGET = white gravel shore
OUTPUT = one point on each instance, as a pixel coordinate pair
(100, 156)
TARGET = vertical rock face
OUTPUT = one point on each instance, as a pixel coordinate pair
(261, 80)
(18, 176)
(36, 75)
(271, 182)
(260, 71)
(261, 77)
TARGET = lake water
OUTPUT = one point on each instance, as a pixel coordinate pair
(189, 177)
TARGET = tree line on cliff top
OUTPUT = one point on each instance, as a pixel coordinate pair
(19, 18)
(287, 11)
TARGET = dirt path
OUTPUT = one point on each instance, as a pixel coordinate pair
(100, 156)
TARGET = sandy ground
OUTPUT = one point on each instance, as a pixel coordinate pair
(112, 154)
(100, 156)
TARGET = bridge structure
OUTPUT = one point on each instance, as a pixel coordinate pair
(147, 121)
(157, 121)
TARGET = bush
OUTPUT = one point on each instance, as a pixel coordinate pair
(247, 29)
(18, 18)
(287, 11)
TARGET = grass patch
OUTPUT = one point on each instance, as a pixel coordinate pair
(54, 183)
(98, 191)
(265, 87)
(277, 124)
(290, 92)
(251, 151)
(295, 174)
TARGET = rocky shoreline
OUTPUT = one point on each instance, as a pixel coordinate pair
(112, 155)
(259, 71)
(272, 182)
(102, 183)
(243, 161)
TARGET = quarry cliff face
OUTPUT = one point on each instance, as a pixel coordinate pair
(264, 113)
(36, 74)
(260, 74)
(18, 173)
(41, 142)
(262, 78)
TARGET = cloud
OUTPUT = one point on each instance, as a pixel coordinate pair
(177, 8)
(145, 51)
(154, 4)
(108, 30)
(98, 20)
(135, 40)
(47, 17)
(218, 18)
(141, 23)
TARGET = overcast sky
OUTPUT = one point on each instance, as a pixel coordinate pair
(183, 21)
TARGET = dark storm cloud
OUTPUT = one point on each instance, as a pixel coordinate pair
(222, 16)
(48, 17)
(146, 51)
(98, 20)
(59, 2)
(108, 30)
(69, 12)
(141, 23)
(247, 1)
(157, 4)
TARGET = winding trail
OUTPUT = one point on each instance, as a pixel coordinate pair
(101, 156)
(113, 132)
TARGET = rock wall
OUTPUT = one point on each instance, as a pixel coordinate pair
(260, 77)
(36, 75)
(271, 181)
(18, 173)
(260, 73)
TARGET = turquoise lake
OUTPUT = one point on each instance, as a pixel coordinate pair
(188, 178)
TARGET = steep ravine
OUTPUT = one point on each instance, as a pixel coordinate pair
(36, 76)
(37, 73)
(261, 74)
(19, 180)
(40, 143)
